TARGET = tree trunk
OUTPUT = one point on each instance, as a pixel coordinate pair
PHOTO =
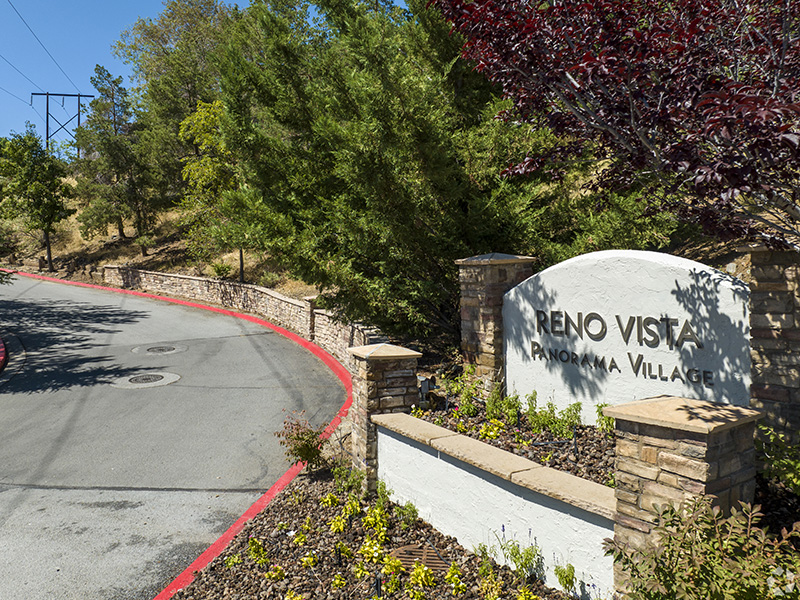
(49, 251)
(241, 266)
(120, 228)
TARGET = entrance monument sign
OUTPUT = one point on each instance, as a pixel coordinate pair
(621, 325)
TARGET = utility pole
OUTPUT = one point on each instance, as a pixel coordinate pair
(47, 95)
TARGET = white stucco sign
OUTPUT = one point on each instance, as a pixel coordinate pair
(622, 325)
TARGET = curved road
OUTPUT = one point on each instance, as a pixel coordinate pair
(133, 433)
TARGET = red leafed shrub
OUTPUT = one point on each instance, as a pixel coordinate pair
(302, 441)
(698, 100)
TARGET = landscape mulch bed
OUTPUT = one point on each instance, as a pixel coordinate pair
(236, 575)
(587, 452)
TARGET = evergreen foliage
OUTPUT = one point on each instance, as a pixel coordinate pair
(113, 177)
(371, 163)
(172, 61)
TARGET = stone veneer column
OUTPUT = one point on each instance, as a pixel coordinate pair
(309, 327)
(673, 449)
(775, 338)
(384, 381)
(484, 279)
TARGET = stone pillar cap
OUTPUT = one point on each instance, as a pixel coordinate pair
(383, 352)
(495, 258)
(684, 414)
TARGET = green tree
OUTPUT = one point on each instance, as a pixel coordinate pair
(210, 211)
(345, 133)
(369, 162)
(113, 179)
(172, 60)
(32, 185)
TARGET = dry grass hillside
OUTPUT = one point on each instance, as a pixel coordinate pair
(169, 253)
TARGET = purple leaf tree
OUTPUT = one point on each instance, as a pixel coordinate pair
(697, 100)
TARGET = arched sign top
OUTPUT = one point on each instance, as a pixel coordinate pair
(621, 325)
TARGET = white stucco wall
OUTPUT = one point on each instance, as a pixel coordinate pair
(475, 506)
(621, 325)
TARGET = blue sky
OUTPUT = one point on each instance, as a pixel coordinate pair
(78, 34)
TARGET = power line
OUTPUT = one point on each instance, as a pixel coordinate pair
(24, 101)
(43, 46)
(14, 95)
(30, 81)
(20, 72)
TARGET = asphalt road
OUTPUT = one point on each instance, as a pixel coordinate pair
(110, 488)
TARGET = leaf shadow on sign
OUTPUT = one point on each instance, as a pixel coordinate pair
(520, 331)
(728, 341)
(57, 339)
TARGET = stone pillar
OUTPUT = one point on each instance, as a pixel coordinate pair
(674, 449)
(310, 305)
(384, 381)
(775, 338)
(484, 279)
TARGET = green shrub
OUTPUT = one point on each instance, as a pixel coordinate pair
(221, 270)
(604, 424)
(502, 408)
(780, 458)
(346, 479)
(464, 390)
(702, 554)
(530, 410)
(566, 577)
(528, 562)
(407, 514)
(269, 279)
(560, 424)
(382, 495)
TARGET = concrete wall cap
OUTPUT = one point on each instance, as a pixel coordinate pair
(383, 352)
(585, 494)
(411, 427)
(495, 258)
(684, 414)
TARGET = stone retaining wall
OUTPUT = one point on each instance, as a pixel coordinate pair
(299, 316)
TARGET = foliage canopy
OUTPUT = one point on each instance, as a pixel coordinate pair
(369, 160)
(695, 99)
(32, 185)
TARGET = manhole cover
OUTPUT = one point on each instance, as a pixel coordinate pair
(148, 378)
(408, 555)
(145, 380)
(160, 349)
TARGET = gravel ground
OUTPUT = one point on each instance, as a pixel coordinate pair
(243, 570)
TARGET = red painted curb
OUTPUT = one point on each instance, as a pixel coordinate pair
(3, 355)
(185, 578)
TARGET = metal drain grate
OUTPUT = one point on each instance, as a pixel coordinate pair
(408, 555)
(160, 349)
(147, 378)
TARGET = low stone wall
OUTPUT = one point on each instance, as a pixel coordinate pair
(299, 316)
(480, 494)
